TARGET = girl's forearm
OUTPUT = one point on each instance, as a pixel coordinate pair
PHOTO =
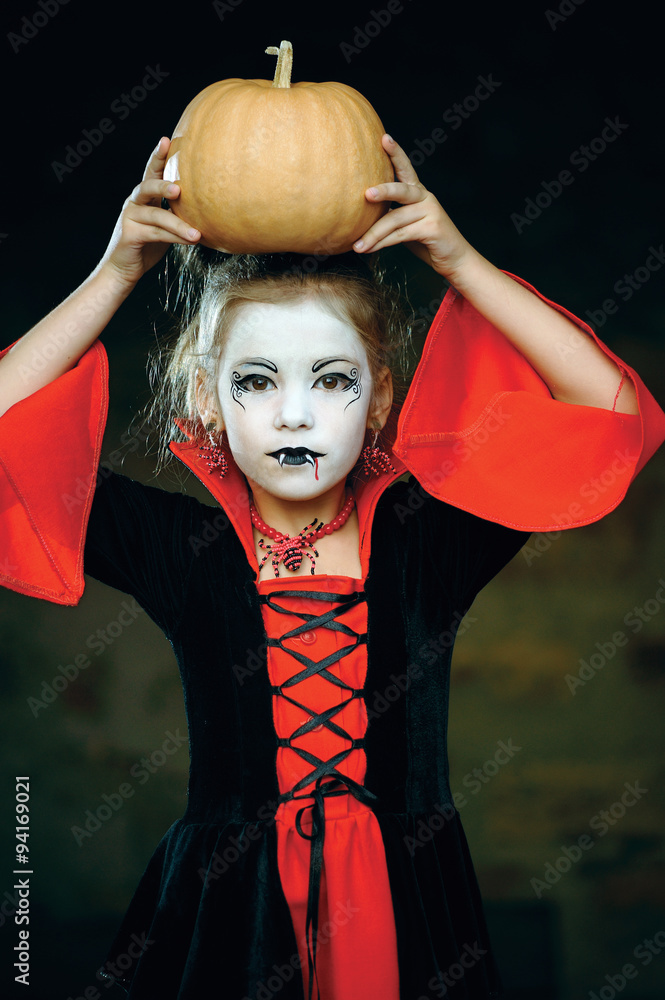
(570, 363)
(55, 344)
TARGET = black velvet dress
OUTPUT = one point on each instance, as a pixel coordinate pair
(427, 562)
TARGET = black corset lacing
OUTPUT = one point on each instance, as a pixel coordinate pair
(322, 768)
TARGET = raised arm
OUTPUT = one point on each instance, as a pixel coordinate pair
(140, 239)
(570, 363)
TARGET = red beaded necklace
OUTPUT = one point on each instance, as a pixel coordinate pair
(289, 549)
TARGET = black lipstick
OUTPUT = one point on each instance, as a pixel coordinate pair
(295, 456)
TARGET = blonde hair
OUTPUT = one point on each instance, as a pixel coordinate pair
(210, 288)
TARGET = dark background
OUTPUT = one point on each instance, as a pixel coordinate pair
(558, 84)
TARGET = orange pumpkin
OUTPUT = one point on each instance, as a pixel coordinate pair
(267, 167)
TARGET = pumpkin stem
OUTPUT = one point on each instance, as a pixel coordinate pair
(284, 63)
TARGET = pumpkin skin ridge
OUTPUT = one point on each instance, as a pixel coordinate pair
(289, 153)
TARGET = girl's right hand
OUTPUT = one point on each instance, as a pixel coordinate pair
(144, 230)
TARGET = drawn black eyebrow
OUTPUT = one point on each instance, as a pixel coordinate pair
(264, 363)
(258, 362)
(237, 388)
(318, 365)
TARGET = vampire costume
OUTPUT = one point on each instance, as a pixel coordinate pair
(321, 848)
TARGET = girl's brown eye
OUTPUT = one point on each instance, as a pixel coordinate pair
(333, 381)
(254, 383)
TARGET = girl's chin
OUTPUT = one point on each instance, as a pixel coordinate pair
(296, 482)
(287, 488)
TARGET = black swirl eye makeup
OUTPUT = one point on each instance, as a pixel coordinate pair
(352, 381)
(333, 382)
(354, 387)
(237, 388)
(241, 383)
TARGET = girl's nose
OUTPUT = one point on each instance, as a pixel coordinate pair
(294, 411)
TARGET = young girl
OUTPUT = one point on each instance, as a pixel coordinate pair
(355, 530)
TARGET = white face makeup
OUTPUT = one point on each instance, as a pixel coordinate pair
(295, 388)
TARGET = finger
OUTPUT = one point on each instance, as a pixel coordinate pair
(403, 234)
(160, 220)
(404, 193)
(155, 165)
(402, 164)
(393, 223)
(152, 191)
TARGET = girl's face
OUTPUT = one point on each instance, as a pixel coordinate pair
(295, 388)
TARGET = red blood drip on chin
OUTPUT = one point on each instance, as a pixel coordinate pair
(316, 468)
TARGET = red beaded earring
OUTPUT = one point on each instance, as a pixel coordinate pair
(375, 461)
(215, 457)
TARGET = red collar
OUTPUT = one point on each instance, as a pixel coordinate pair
(233, 494)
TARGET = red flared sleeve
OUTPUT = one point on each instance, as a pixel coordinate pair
(50, 443)
(480, 429)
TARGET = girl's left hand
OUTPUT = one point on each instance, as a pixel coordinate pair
(420, 222)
